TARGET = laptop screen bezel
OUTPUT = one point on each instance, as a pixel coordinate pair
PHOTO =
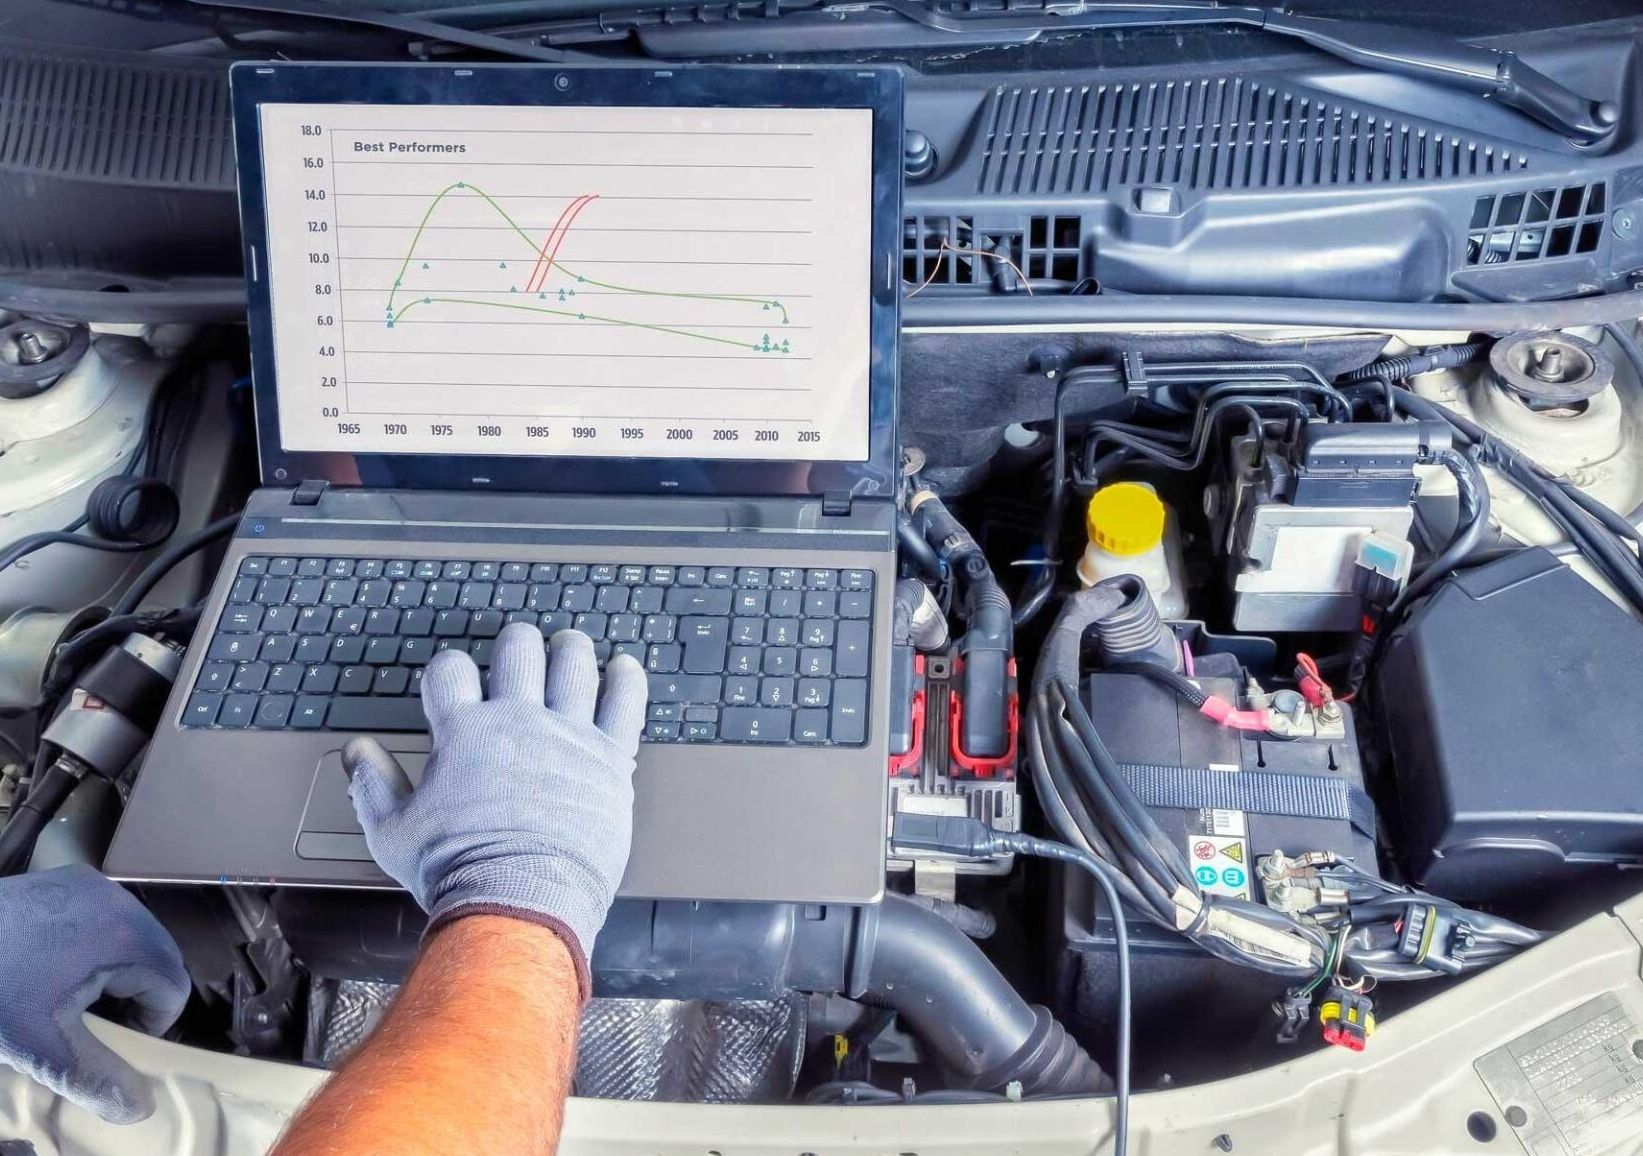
(878, 90)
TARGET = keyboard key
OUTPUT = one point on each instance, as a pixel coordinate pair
(553, 622)
(441, 595)
(382, 621)
(253, 566)
(427, 571)
(810, 726)
(243, 618)
(785, 603)
(611, 599)
(817, 632)
(418, 623)
(573, 574)
(787, 578)
(484, 624)
(602, 574)
(662, 731)
(280, 619)
(202, 708)
(780, 660)
(529, 617)
(355, 680)
(634, 650)
(685, 688)
(456, 571)
(692, 575)
(821, 579)
(855, 603)
(543, 596)
(660, 628)
(755, 724)
(509, 596)
(320, 679)
(369, 568)
(395, 570)
(814, 691)
(665, 712)
(285, 678)
(851, 653)
(645, 599)
(415, 651)
(704, 640)
(407, 593)
(855, 579)
(592, 624)
(383, 651)
(274, 711)
(244, 589)
(311, 568)
(340, 592)
(544, 572)
(700, 732)
(282, 567)
(374, 592)
(820, 603)
(278, 648)
(815, 663)
(747, 631)
(392, 680)
(312, 648)
(753, 577)
(476, 595)
(339, 568)
(234, 647)
(701, 714)
(481, 649)
(782, 631)
(377, 713)
(776, 692)
(486, 571)
(664, 657)
(663, 576)
(744, 660)
(742, 690)
(630, 575)
(577, 599)
(516, 572)
(238, 710)
(459, 644)
(309, 713)
(273, 591)
(450, 624)
(750, 602)
(624, 627)
(721, 576)
(215, 676)
(849, 720)
(349, 620)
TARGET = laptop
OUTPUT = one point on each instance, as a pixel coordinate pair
(611, 349)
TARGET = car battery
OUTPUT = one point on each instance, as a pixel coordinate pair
(1228, 800)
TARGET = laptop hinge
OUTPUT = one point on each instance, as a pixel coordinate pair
(836, 503)
(308, 492)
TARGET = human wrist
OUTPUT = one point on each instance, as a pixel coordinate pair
(483, 929)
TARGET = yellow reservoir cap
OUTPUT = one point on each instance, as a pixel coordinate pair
(1125, 518)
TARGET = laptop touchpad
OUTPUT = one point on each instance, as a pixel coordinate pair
(330, 829)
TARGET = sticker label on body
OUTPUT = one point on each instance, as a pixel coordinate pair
(1220, 863)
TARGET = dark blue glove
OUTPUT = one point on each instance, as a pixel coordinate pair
(67, 938)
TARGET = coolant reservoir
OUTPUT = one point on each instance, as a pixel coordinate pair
(1132, 531)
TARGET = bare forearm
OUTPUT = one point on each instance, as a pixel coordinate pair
(475, 1055)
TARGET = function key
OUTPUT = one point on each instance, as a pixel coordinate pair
(787, 578)
(631, 575)
(282, 567)
(822, 579)
(339, 568)
(855, 579)
(456, 571)
(311, 568)
(369, 568)
(572, 573)
(753, 577)
(544, 572)
(516, 572)
(486, 571)
(721, 576)
(692, 575)
(663, 575)
(399, 570)
(426, 570)
(602, 573)
(256, 567)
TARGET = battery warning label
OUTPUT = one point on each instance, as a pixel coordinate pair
(1220, 864)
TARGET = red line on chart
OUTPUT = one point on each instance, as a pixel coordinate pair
(556, 237)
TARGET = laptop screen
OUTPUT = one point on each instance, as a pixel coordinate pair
(539, 281)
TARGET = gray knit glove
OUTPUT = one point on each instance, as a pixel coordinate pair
(68, 937)
(526, 803)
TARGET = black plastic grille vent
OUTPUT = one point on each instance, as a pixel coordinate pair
(959, 251)
(145, 121)
(1214, 133)
(1527, 226)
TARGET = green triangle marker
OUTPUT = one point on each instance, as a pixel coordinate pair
(427, 300)
(462, 184)
(424, 265)
(501, 264)
(541, 296)
(581, 316)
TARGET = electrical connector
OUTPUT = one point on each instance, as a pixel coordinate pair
(952, 834)
(1347, 1018)
(1294, 1009)
(1433, 937)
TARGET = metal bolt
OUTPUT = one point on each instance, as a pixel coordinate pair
(1330, 712)
(1222, 1143)
(1549, 365)
(1625, 224)
(32, 348)
(1273, 866)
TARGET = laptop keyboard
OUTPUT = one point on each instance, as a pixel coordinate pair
(746, 654)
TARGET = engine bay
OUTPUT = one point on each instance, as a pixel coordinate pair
(1265, 590)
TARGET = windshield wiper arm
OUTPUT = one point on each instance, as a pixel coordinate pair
(407, 24)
